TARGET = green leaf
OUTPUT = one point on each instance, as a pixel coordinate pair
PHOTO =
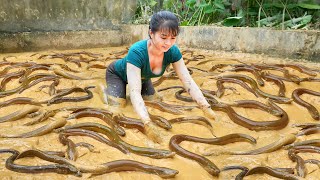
(219, 5)
(208, 9)
(231, 21)
(189, 2)
(153, 3)
(202, 4)
(309, 6)
(184, 23)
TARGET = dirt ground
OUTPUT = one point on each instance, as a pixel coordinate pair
(188, 169)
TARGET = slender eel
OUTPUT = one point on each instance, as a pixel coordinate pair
(170, 87)
(265, 149)
(55, 168)
(252, 70)
(19, 114)
(257, 105)
(287, 76)
(128, 122)
(296, 97)
(83, 132)
(8, 78)
(243, 172)
(209, 166)
(44, 116)
(160, 121)
(311, 130)
(277, 81)
(179, 96)
(272, 172)
(306, 125)
(24, 84)
(56, 100)
(254, 85)
(113, 166)
(31, 69)
(72, 152)
(98, 66)
(149, 152)
(129, 165)
(301, 68)
(250, 124)
(37, 81)
(39, 131)
(193, 119)
(311, 142)
(90, 147)
(19, 100)
(70, 76)
(221, 87)
(101, 114)
(301, 169)
(163, 107)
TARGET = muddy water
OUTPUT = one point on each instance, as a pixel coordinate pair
(188, 169)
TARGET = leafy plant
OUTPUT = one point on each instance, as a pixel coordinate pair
(278, 14)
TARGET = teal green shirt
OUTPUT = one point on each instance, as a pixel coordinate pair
(138, 56)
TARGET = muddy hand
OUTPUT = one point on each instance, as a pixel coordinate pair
(153, 132)
(209, 113)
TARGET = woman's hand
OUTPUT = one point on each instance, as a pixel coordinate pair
(153, 132)
(209, 113)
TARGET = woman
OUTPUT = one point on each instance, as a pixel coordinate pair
(147, 59)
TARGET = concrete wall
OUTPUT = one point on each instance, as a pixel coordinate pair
(33, 25)
(63, 15)
(288, 43)
(291, 44)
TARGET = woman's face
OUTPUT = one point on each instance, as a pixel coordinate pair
(163, 40)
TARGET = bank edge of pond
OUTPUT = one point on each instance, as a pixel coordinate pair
(294, 44)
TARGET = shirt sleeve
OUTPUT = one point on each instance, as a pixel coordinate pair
(134, 57)
(176, 54)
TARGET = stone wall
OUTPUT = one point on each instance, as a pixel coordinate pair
(63, 15)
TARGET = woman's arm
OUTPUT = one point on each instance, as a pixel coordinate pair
(192, 88)
(134, 83)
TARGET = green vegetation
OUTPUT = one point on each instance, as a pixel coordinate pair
(277, 14)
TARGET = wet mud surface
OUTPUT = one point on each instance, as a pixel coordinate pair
(70, 82)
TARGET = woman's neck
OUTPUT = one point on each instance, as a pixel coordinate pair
(153, 48)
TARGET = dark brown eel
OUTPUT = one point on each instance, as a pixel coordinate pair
(255, 87)
(277, 81)
(83, 132)
(209, 166)
(19, 114)
(252, 70)
(9, 77)
(52, 168)
(19, 100)
(113, 166)
(296, 98)
(149, 152)
(272, 172)
(57, 99)
(241, 175)
(193, 119)
(39, 131)
(101, 114)
(128, 122)
(250, 124)
(221, 87)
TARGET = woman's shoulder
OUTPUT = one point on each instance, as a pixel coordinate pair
(139, 45)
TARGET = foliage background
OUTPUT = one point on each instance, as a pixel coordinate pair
(276, 14)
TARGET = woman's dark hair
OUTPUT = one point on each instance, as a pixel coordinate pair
(165, 20)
